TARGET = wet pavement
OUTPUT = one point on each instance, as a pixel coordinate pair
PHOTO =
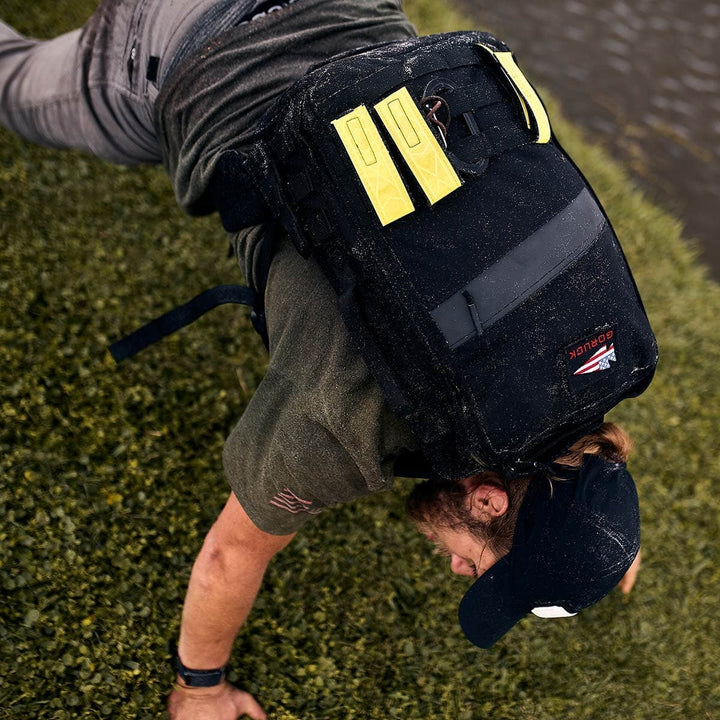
(643, 77)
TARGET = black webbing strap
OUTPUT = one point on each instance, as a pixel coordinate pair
(179, 317)
(235, 193)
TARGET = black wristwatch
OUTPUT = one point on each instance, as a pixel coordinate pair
(199, 678)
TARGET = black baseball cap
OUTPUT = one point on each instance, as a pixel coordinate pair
(574, 540)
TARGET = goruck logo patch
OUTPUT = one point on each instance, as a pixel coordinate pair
(591, 358)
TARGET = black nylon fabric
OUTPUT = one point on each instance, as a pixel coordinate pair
(508, 393)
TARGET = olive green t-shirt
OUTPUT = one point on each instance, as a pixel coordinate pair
(317, 431)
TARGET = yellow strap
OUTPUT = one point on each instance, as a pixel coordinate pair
(418, 146)
(373, 164)
(529, 99)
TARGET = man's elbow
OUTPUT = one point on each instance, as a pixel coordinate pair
(235, 543)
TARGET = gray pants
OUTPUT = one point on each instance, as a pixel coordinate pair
(94, 89)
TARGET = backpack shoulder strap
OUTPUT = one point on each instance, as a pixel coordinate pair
(181, 316)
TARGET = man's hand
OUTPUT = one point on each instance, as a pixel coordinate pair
(223, 702)
(626, 584)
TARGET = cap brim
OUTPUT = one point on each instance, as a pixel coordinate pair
(487, 610)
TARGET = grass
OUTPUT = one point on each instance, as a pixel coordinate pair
(111, 477)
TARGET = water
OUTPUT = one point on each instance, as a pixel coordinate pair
(643, 78)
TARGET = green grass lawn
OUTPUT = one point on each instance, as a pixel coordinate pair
(111, 477)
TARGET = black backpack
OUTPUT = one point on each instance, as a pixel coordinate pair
(475, 269)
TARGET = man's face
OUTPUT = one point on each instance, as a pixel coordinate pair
(466, 544)
(468, 554)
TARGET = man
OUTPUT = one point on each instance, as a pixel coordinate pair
(181, 83)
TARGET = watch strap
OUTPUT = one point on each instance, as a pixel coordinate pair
(199, 678)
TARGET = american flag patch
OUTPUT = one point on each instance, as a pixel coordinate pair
(592, 359)
(599, 361)
(289, 501)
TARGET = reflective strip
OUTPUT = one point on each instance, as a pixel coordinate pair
(529, 99)
(373, 164)
(524, 271)
(418, 146)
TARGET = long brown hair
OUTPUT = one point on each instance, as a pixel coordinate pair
(609, 441)
(443, 504)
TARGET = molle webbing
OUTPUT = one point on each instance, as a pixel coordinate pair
(503, 123)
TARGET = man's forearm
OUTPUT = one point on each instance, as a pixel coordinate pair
(223, 585)
(222, 589)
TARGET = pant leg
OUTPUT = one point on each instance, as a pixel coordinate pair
(91, 89)
(63, 93)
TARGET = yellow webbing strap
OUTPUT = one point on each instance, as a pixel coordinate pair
(418, 146)
(373, 164)
(529, 100)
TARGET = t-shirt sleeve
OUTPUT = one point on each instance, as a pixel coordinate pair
(317, 431)
(286, 463)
